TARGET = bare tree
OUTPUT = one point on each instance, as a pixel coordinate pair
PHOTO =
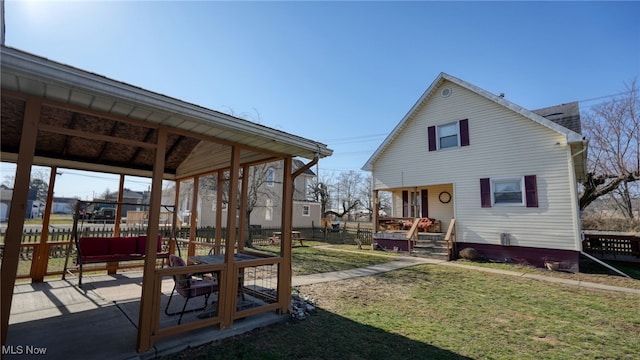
(319, 190)
(384, 201)
(260, 190)
(347, 190)
(366, 195)
(613, 130)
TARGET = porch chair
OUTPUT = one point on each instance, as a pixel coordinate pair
(240, 278)
(189, 286)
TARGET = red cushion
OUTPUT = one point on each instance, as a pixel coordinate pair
(94, 246)
(123, 245)
(142, 244)
(98, 258)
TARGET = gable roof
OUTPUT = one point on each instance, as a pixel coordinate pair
(571, 136)
(567, 115)
(95, 123)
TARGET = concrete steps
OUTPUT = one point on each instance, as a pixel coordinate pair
(432, 249)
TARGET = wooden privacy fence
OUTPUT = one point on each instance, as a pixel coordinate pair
(621, 247)
(345, 234)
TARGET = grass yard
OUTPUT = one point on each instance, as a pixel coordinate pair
(311, 259)
(445, 312)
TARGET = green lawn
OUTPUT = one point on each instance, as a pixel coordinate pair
(311, 259)
(444, 312)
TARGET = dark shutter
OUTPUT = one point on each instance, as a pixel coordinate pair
(425, 203)
(531, 189)
(431, 130)
(405, 203)
(464, 132)
(485, 192)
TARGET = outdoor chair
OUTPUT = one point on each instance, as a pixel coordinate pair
(189, 286)
(240, 278)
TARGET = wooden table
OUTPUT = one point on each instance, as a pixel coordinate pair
(219, 258)
(295, 236)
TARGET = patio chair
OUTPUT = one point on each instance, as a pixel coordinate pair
(240, 278)
(189, 286)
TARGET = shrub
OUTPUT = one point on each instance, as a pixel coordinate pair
(469, 254)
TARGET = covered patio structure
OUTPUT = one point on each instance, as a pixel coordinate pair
(59, 116)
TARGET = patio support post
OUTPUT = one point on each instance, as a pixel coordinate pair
(376, 209)
(41, 258)
(229, 287)
(177, 221)
(284, 272)
(242, 228)
(116, 221)
(15, 224)
(193, 217)
(219, 198)
(148, 298)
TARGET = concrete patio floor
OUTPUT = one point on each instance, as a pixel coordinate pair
(56, 319)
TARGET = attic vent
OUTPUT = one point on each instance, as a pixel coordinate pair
(445, 92)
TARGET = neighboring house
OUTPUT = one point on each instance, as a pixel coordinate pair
(60, 205)
(63, 205)
(506, 174)
(5, 202)
(267, 212)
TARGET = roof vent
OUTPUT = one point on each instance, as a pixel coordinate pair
(445, 92)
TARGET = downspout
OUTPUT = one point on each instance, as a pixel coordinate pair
(576, 204)
(579, 228)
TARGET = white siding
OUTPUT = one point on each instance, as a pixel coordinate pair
(502, 144)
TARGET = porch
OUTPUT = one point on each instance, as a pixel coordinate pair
(419, 221)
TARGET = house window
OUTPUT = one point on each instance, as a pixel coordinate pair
(520, 191)
(306, 210)
(449, 135)
(270, 177)
(268, 213)
(507, 191)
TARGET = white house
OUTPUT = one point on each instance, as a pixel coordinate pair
(506, 174)
(267, 210)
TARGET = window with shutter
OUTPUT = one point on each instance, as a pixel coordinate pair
(455, 134)
(519, 191)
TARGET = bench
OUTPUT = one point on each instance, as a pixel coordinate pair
(93, 250)
(295, 236)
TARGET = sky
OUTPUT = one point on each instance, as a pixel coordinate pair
(342, 73)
